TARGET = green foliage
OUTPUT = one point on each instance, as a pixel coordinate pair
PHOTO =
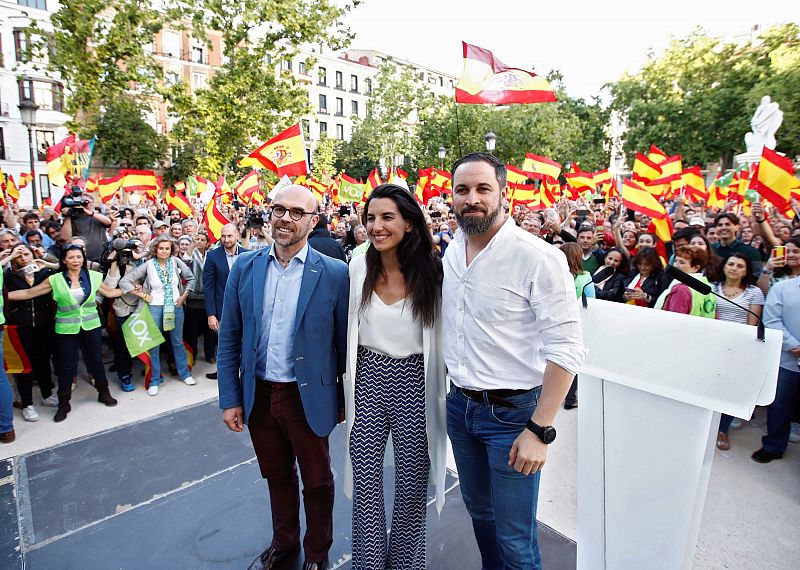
(247, 100)
(324, 159)
(97, 47)
(698, 97)
(125, 139)
(387, 130)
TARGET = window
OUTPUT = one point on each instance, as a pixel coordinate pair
(339, 80)
(369, 86)
(339, 107)
(2, 145)
(323, 104)
(38, 4)
(353, 84)
(21, 45)
(354, 108)
(49, 95)
(340, 132)
(198, 81)
(25, 51)
(441, 81)
(170, 44)
(306, 127)
(323, 76)
(44, 139)
(44, 186)
(171, 77)
(301, 68)
(323, 128)
(286, 65)
(198, 54)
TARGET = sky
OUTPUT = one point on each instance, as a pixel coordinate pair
(590, 42)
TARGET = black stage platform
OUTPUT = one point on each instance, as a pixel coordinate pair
(181, 491)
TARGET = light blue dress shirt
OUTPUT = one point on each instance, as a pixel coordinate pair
(275, 361)
(782, 312)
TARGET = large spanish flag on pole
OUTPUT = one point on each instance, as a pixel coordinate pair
(775, 179)
(540, 166)
(284, 154)
(486, 79)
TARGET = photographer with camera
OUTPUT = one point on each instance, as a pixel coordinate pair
(257, 225)
(82, 220)
(124, 256)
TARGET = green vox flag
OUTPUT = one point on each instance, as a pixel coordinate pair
(350, 190)
(141, 332)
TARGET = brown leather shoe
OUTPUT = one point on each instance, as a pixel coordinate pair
(8, 436)
(723, 443)
(271, 559)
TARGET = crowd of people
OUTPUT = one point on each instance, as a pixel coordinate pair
(428, 315)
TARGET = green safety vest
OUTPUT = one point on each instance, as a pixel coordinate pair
(2, 308)
(70, 316)
(580, 281)
(702, 305)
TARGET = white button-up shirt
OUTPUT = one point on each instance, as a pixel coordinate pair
(509, 311)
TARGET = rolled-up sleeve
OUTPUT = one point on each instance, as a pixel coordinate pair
(552, 298)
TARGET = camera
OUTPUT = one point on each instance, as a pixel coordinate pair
(75, 202)
(256, 218)
(124, 252)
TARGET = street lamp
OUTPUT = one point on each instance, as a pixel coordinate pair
(442, 154)
(382, 167)
(491, 141)
(27, 109)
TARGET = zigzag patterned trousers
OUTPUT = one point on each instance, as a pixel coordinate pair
(389, 397)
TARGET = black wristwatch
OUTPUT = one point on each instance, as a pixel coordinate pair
(546, 433)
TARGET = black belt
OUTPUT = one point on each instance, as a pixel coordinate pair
(497, 397)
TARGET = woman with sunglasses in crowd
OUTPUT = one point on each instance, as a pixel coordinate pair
(77, 323)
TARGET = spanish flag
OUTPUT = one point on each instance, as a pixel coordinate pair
(316, 187)
(538, 167)
(549, 192)
(139, 181)
(638, 199)
(694, 185)
(775, 178)
(178, 201)
(373, 181)
(15, 360)
(24, 179)
(515, 175)
(11, 190)
(525, 195)
(422, 181)
(644, 169)
(246, 186)
(91, 185)
(58, 161)
(486, 79)
(601, 177)
(580, 181)
(670, 170)
(214, 220)
(284, 154)
(656, 155)
(107, 188)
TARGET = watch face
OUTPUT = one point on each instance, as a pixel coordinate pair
(549, 434)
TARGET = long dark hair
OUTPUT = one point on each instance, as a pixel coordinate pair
(62, 266)
(419, 263)
(749, 277)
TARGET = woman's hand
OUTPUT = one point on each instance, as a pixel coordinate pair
(180, 302)
(774, 263)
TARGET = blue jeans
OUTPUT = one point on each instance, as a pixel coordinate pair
(6, 397)
(779, 412)
(501, 502)
(175, 338)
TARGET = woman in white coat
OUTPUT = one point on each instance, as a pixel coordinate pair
(395, 382)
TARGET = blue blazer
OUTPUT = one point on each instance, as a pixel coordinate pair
(215, 276)
(320, 336)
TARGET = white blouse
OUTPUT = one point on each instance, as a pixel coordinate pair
(390, 330)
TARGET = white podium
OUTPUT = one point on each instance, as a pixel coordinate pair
(651, 392)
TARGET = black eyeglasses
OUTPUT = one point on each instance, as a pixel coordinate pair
(72, 246)
(295, 213)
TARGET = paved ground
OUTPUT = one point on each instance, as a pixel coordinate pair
(750, 520)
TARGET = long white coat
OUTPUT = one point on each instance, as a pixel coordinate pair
(435, 389)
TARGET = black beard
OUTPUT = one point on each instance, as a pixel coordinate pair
(474, 225)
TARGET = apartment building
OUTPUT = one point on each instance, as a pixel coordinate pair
(20, 80)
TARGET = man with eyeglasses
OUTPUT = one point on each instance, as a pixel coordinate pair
(216, 269)
(282, 352)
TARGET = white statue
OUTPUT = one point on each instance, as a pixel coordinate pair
(765, 122)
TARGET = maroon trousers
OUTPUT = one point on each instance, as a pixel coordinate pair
(282, 440)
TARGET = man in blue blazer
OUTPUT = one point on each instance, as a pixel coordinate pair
(216, 269)
(282, 351)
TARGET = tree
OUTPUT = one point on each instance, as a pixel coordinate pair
(396, 103)
(698, 97)
(324, 163)
(125, 139)
(98, 49)
(248, 100)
